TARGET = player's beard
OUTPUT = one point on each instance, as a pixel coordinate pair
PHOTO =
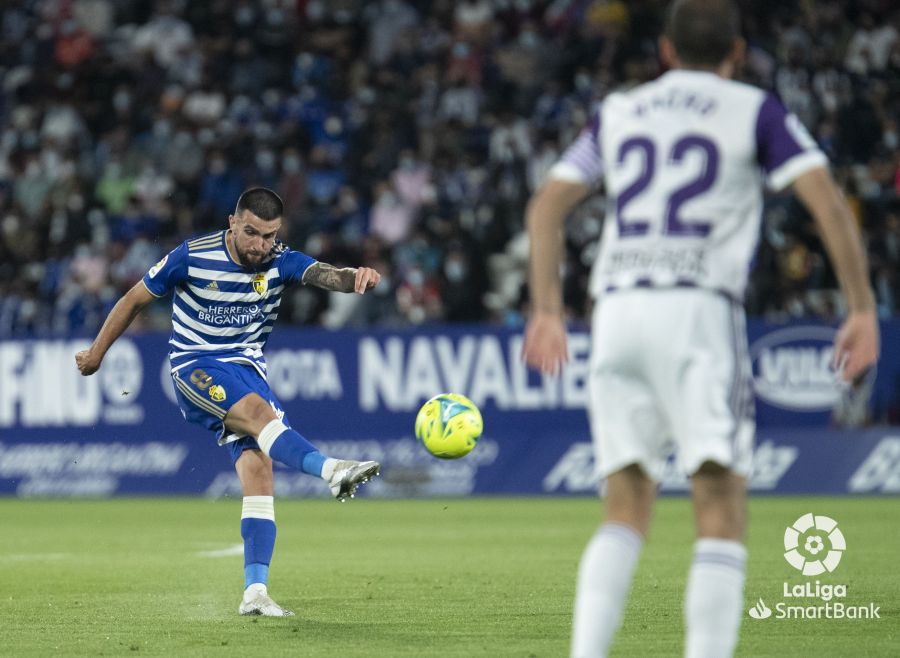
(248, 259)
(245, 258)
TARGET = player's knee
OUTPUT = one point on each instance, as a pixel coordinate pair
(713, 483)
(258, 409)
(249, 415)
(633, 483)
(719, 497)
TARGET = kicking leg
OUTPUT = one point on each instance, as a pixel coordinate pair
(607, 566)
(253, 416)
(254, 470)
(715, 590)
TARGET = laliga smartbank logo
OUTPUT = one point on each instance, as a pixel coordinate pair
(760, 610)
(813, 545)
(805, 541)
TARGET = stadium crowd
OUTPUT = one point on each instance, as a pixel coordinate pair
(404, 135)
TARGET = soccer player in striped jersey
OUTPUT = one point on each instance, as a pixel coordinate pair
(227, 289)
(682, 159)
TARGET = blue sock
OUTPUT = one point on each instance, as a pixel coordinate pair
(255, 572)
(259, 538)
(259, 543)
(293, 450)
(312, 463)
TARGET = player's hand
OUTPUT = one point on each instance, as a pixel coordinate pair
(856, 345)
(366, 279)
(545, 347)
(88, 363)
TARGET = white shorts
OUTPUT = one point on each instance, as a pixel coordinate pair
(670, 372)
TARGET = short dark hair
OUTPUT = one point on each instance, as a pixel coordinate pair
(703, 31)
(262, 202)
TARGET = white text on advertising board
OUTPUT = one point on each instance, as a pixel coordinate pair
(41, 387)
(792, 369)
(483, 367)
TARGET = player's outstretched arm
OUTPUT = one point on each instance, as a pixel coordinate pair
(121, 316)
(545, 336)
(857, 343)
(343, 279)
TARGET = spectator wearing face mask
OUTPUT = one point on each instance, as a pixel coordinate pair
(391, 218)
(372, 119)
(461, 291)
(220, 188)
(419, 297)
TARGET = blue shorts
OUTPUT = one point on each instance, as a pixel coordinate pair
(207, 389)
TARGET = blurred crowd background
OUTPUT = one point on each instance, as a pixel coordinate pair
(402, 135)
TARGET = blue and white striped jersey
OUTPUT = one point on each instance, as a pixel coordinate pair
(220, 308)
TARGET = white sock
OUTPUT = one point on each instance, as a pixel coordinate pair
(253, 590)
(714, 600)
(604, 580)
(328, 468)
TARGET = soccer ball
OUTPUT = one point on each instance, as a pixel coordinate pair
(449, 425)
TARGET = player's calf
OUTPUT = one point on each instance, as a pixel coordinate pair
(713, 604)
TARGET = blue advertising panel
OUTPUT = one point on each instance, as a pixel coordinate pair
(795, 383)
(355, 394)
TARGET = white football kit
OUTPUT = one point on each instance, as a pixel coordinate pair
(683, 160)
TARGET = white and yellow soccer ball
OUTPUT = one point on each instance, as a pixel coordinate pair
(449, 425)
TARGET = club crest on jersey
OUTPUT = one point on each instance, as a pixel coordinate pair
(260, 284)
(217, 393)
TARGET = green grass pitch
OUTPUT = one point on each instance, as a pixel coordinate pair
(462, 577)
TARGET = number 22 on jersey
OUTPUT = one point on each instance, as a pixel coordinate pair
(692, 151)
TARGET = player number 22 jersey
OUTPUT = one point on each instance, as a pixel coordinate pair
(683, 159)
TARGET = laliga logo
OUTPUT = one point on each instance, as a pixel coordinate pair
(810, 555)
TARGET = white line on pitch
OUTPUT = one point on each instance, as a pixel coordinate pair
(237, 549)
(27, 557)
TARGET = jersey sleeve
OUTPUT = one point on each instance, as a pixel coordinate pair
(293, 264)
(581, 162)
(784, 148)
(168, 272)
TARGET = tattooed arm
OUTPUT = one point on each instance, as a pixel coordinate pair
(346, 279)
(329, 277)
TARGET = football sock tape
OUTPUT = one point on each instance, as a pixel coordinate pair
(283, 444)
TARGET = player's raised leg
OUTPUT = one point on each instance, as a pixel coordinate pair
(254, 470)
(715, 590)
(253, 416)
(608, 563)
